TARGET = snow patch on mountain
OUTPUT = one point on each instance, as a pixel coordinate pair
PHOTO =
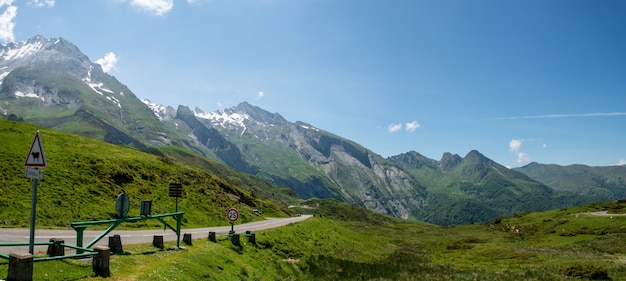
(12, 51)
(310, 128)
(99, 88)
(27, 95)
(2, 76)
(223, 118)
(158, 110)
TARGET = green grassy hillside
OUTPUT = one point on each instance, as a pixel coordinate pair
(84, 176)
(348, 243)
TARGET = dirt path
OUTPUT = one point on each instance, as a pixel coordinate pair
(604, 214)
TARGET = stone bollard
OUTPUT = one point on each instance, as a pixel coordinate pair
(157, 241)
(235, 240)
(187, 238)
(100, 262)
(115, 244)
(212, 237)
(20, 267)
(56, 249)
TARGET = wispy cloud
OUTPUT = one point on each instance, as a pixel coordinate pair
(597, 114)
(259, 95)
(412, 126)
(6, 20)
(157, 7)
(395, 127)
(42, 3)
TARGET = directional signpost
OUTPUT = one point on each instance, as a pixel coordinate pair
(233, 215)
(35, 160)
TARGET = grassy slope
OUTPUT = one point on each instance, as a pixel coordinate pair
(84, 177)
(347, 243)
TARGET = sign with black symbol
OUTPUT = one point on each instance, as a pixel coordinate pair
(36, 158)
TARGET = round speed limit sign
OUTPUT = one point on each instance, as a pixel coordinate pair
(232, 214)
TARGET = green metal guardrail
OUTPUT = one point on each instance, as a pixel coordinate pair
(81, 226)
(84, 251)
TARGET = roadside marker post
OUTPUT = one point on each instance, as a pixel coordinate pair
(34, 160)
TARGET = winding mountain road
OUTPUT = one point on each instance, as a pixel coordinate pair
(21, 235)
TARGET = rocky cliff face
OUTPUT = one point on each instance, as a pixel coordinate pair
(311, 161)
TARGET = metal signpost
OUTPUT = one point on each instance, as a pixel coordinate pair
(233, 215)
(34, 160)
(176, 191)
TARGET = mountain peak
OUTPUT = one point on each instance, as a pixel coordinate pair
(259, 114)
(449, 161)
(476, 157)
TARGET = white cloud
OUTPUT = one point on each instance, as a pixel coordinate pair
(412, 126)
(395, 127)
(596, 114)
(260, 95)
(621, 162)
(515, 145)
(108, 62)
(6, 21)
(545, 145)
(41, 3)
(157, 7)
(523, 157)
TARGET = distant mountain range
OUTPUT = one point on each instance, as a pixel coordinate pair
(49, 82)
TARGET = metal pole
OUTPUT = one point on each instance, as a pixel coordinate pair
(33, 212)
(179, 222)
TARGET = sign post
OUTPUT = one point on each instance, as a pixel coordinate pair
(233, 215)
(34, 160)
(176, 190)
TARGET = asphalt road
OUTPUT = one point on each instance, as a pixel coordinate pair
(21, 235)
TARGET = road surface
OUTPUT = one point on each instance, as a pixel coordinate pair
(21, 235)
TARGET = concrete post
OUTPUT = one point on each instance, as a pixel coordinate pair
(187, 238)
(212, 237)
(157, 241)
(100, 263)
(56, 249)
(20, 267)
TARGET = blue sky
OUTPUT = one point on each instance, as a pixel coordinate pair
(519, 81)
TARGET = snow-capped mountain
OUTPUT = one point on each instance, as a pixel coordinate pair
(49, 82)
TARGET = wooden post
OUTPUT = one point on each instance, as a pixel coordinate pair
(115, 244)
(187, 238)
(100, 263)
(157, 241)
(56, 249)
(212, 237)
(20, 267)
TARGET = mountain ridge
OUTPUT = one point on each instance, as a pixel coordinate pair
(70, 93)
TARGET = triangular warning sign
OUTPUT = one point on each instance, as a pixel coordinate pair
(36, 157)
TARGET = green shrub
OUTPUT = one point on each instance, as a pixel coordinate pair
(588, 271)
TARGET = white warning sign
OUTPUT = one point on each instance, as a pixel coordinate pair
(36, 158)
